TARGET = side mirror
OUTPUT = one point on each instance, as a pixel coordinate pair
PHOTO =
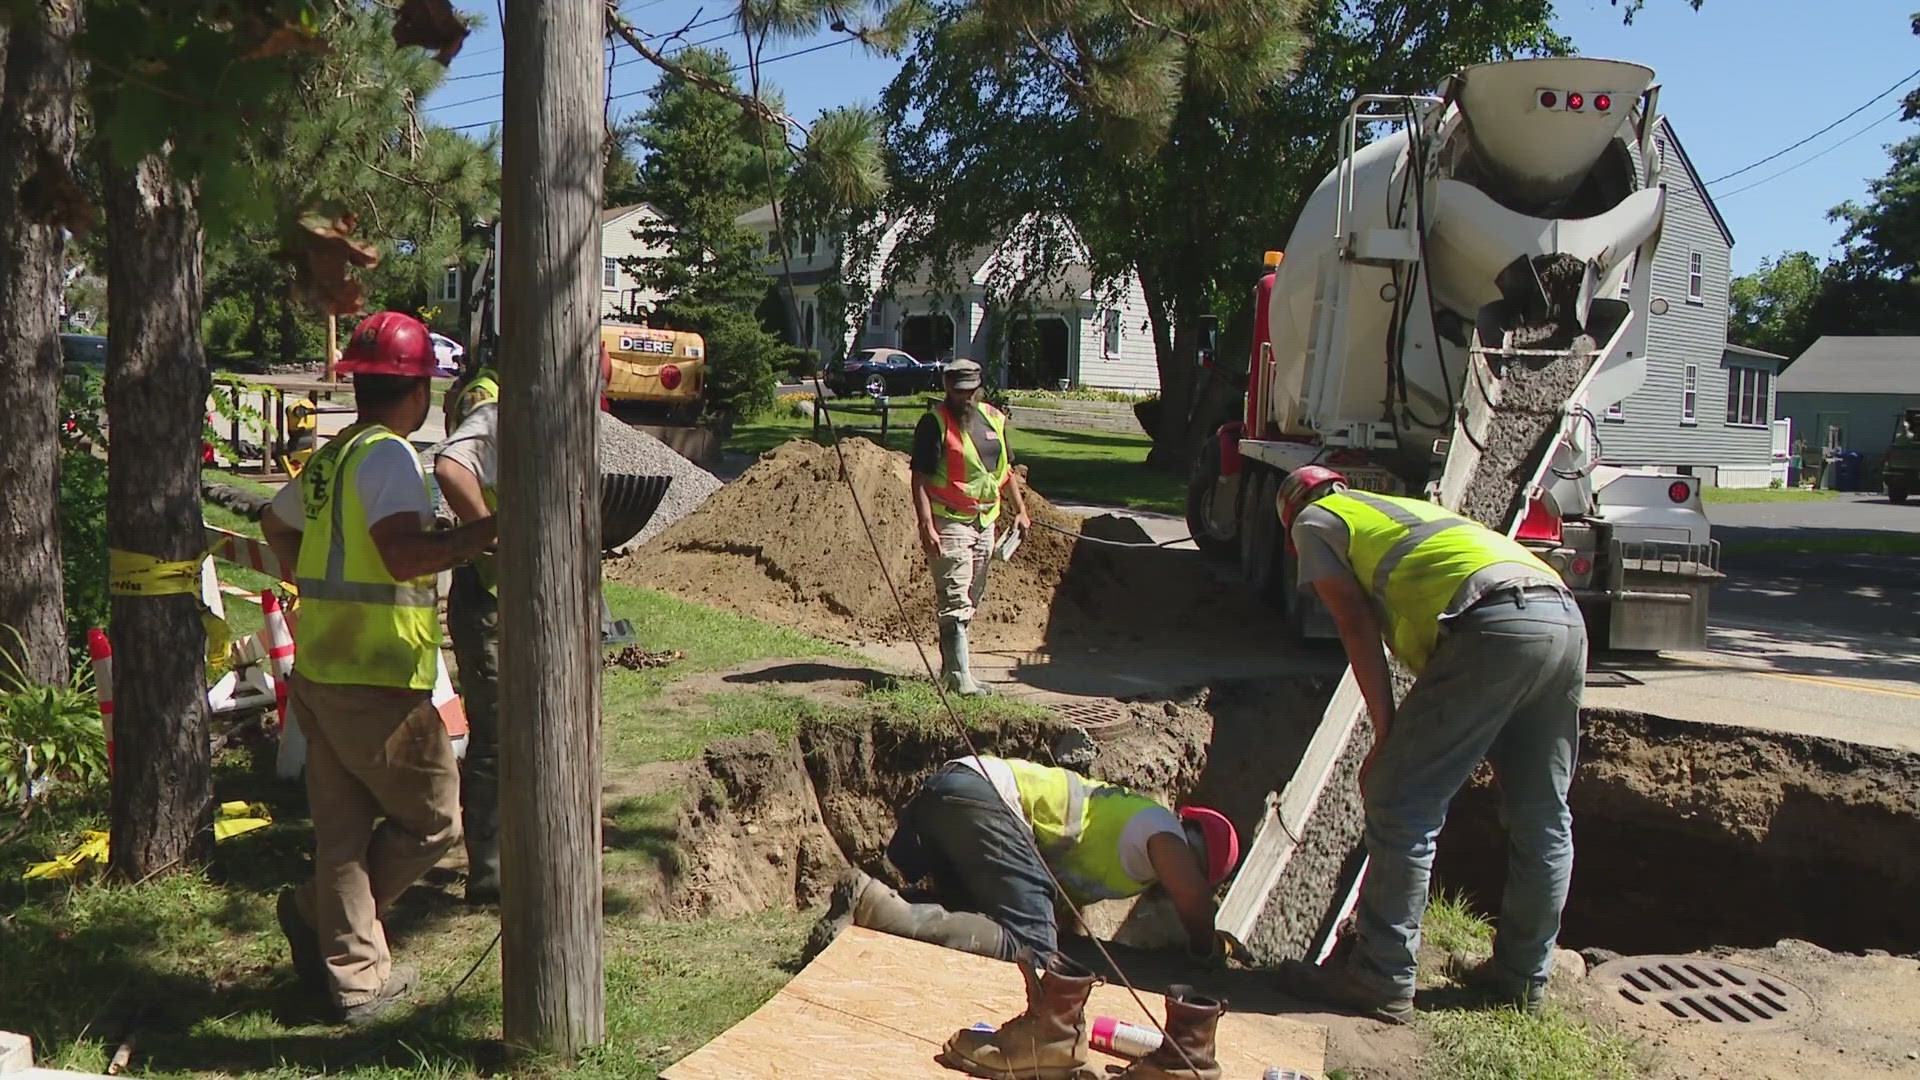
(1209, 327)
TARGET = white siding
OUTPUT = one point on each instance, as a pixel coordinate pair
(618, 242)
(1134, 367)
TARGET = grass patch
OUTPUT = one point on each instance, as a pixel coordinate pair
(1723, 496)
(1451, 925)
(1824, 543)
(1505, 1044)
(1050, 398)
(1105, 468)
(677, 734)
(238, 480)
(916, 701)
(222, 518)
(643, 832)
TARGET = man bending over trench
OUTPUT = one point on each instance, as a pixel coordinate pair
(973, 827)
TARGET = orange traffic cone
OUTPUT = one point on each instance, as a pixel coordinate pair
(101, 652)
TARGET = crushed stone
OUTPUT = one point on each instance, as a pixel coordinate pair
(626, 451)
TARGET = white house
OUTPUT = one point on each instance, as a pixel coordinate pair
(1078, 331)
(619, 292)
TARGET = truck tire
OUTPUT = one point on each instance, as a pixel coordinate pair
(1215, 533)
(1897, 491)
(1261, 550)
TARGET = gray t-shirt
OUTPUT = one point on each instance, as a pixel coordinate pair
(1322, 539)
(475, 444)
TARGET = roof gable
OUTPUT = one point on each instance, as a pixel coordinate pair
(1838, 364)
(615, 214)
(1693, 174)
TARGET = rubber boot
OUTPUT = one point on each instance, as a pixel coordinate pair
(1187, 1053)
(877, 907)
(480, 823)
(1047, 1042)
(956, 666)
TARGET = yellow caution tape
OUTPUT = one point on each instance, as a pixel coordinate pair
(231, 820)
(133, 573)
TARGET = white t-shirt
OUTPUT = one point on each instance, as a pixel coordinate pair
(390, 481)
(1140, 828)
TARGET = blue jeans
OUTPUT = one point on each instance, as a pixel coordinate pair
(979, 853)
(1504, 686)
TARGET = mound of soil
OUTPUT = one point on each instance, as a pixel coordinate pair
(784, 543)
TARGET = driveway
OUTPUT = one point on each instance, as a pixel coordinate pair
(1824, 641)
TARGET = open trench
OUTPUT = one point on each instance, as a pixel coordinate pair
(1686, 836)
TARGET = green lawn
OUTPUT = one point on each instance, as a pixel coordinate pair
(1718, 495)
(1820, 542)
(1099, 467)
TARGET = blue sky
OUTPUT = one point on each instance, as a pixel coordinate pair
(1741, 79)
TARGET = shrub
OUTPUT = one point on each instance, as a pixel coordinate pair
(48, 733)
(82, 509)
(741, 356)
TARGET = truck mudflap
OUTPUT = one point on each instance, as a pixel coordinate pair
(1656, 594)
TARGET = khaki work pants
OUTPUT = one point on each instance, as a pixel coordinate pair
(960, 570)
(372, 753)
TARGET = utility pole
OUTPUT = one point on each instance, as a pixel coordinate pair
(552, 981)
(333, 344)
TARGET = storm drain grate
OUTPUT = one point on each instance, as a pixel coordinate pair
(1093, 713)
(1736, 997)
(1612, 678)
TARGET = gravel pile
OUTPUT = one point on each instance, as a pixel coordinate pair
(623, 450)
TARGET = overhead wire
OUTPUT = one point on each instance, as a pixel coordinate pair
(1781, 153)
(1816, 157)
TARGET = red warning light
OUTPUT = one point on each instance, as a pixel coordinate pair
(1678, 491)
(1575, 100)
(1549, 99)
(1602, 102)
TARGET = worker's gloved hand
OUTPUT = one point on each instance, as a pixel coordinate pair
(1226, 947)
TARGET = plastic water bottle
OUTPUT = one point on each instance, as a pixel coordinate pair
(1121, 1039)
(1278, 1073)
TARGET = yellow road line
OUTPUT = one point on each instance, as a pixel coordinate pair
(1817, 680)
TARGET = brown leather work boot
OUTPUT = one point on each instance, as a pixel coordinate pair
(1187, 1053)
(1047, 1042)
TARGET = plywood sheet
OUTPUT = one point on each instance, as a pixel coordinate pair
(878, 1007)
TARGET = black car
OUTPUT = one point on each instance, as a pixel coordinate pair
(885, 372)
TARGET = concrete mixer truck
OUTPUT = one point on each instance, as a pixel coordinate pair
(1400, 283)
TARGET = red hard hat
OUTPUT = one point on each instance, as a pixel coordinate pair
(1223, 843)
(389, 343)
(1299, 487)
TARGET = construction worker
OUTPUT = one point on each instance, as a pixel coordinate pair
(979, 828)
(477, 386)
(962, 468)
(1499, 651)
(464, 467)
(356, 526)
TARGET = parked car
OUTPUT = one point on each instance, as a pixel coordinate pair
(83, 352)
(883, 372)
(447, 353)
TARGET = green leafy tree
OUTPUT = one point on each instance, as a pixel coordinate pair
(1773, 306)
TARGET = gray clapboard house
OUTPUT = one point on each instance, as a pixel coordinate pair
(1844, 393)
(1706, 407)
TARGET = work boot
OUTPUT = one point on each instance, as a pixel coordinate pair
(483, 863)
(399, 984)
(1047, 1042)
(1337, 986)
(1187, 1052)
(876, 906)
(956, 665)
(1489, 978)
(303, 942)
(839, 915)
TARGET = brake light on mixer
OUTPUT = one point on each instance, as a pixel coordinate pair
(1541, 523)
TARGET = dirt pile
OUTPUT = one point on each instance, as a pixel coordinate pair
(784, 543)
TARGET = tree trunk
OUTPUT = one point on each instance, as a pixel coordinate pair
(553, 984)
(157, 387)
(36, 151)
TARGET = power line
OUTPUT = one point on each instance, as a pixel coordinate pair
(645, 37)
(1817, 134)
(1815, 157)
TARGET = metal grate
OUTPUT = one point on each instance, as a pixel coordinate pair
(1704, 990)
(1093, 713)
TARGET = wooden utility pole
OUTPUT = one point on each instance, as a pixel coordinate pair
(333, 345)
(552, 980)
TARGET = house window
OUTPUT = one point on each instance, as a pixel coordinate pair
(809, 244)
(609, 273)
(450, 285)
(1110, 344)
(1660, 148)
(1689, 394)
(1617, 411)
(1696, 277)
(1749, 396)
(873, 316)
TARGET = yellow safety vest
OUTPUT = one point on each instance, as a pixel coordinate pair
(1078, 823)
(962, 489)
(359, 626)
(1412, 557)
(484, 388)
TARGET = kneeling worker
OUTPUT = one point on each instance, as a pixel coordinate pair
(1499, 650)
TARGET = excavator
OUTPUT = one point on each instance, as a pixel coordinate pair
(1381, 332)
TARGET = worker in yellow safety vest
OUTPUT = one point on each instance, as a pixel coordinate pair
(1498, 649)
(479, 386)
(466, 468)
(962, 468)
(356, 525)
(992, 834)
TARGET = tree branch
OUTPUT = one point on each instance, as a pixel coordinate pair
(753, 105)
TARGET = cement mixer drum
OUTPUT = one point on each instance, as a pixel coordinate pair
(1541, 124)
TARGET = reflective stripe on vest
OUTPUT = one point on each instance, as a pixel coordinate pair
(1078, 824)
(1412, 557)
(963, 489)
(484, 389)
(358, 625)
